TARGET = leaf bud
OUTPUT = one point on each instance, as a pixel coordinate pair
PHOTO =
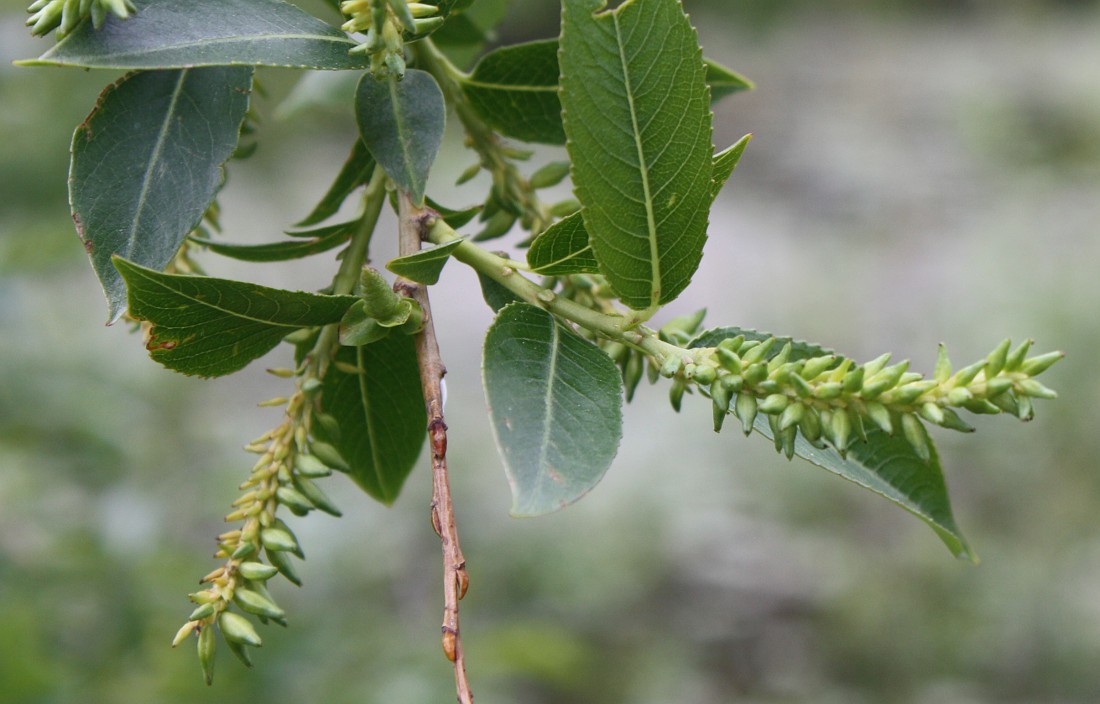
(745, 407)
(255, 603)
(238, 628)
(774, 404)
(792, 415)
(1037, 365)
(995, 362)
(916, 435)
(1031, 387)
(256, 571)
(207, 646)
(281, 561)
(728, 359)
(550, 175)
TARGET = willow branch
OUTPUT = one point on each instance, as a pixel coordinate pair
(413, 226)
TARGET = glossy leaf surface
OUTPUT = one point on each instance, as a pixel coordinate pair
(171, 34)
(401, 123)
(425, 266)
(147, 162)
(515, 89)
(210, 327)
(555, 401)
(887, 465)
(563, 248)
(637, 113)
(379, 412)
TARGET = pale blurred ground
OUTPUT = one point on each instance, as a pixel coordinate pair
(920, 172)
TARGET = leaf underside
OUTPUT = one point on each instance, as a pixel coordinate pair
(210, 327)
(401, 123)
(147, 163)
(425, 266)
(165, 34)
(356, 172)
(304, 245)
(379, 412)
(555, 402)
(563, 248)
(637, 114)
(887, 465)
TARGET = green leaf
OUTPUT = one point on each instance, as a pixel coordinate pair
(147, 162)
(887, 465)
(723, 81)
(555, 401)
(563, 248)
(637, 114)
(724, 164)
(494, 293)
(355, 172)
(379, 412)
(211, 327)
(454, 218)
(515, 89)
(424, 266)
(171, 34)
(331, 238)
(401, 122)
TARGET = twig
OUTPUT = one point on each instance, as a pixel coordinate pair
(413, 225)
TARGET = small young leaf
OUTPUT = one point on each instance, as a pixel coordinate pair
(425, 266)
(355, 172)
(379, 412)
(401, 122)
(329, 238)
(885, 464)
(555, 401)
(210, 327)
(723, 81)
(515, 89)
(724, 164)
(170, 34)
(563, 248)
(147, 162)
(637, 115)
(495, 295)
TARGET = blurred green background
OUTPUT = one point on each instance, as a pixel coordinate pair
(920, 172)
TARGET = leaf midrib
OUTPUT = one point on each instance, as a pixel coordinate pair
(364, 398)
(548, 400)
(651, 221)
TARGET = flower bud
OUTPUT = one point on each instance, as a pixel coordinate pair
(952, 421)
(329, 455)
(916, 435)
(801, 386)
(733, 344)
(932, 413)
(755, 373)
(880, 416)
(550, 175)
(1031, 387)
(565, 208)
(745, 407)
(780, 359)
(255, 603)
(792, 415)
(756, 352)
(469, 174)
(1024, 409)
(967, 374)
(282, 562)
(240, 651)
(817, 366)
(256, 571)
(672, 366)
(705, 375)
(245, 549)
(207, 646)
(1017, 356)
(995, 362)
(774, 404)
(959, 396)
(839, 430)
(828, 391)
(981, 407)
(317, 497)
(676, 393)
(278, 540)
(310, 466)
(1037, 365)
(633, 370)
(728, 359)
(183, 633)
(810, 426)
(876, 365)
(293, 499)
(996, 386)
(942, 370)
(428, 25)
(238, 628)
(853, 380)
(203, 611)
